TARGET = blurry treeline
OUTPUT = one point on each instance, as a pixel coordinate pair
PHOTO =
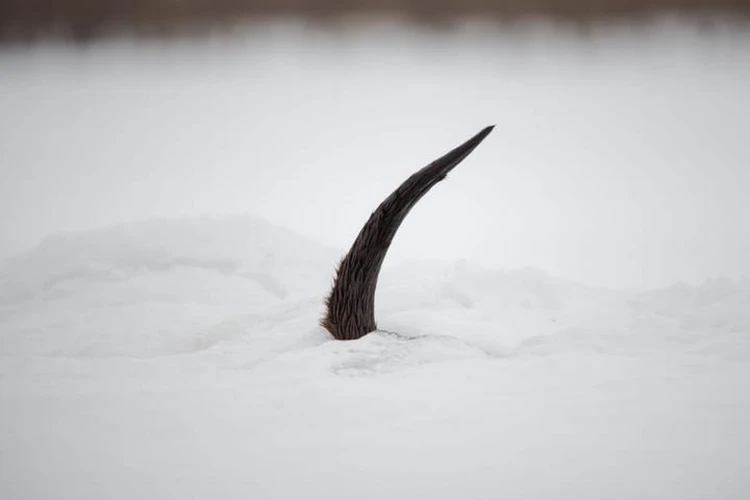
(86, 19)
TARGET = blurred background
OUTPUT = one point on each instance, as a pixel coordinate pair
(620, 156)
(86, 19)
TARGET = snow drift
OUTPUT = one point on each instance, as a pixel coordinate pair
(168, 359)
(134, 289)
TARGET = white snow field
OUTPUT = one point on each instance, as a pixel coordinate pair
(153, 346)
(181, 359)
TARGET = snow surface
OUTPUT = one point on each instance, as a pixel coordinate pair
(182, 359)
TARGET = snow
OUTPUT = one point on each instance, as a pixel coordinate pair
(182, 359)
(148, 350)
(150, 272)
(619, 156)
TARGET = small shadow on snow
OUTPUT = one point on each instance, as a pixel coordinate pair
(386, 352)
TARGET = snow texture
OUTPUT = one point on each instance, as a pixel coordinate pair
(182, 359)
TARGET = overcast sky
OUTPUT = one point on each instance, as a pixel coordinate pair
(621, 160)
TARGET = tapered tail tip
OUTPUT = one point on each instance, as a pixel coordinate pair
(480, 136)
(467, 147)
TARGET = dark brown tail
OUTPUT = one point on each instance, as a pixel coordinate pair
(350, 306)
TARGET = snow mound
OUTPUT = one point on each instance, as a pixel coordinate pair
(191, 351)
(143, 289)
(239, 292)
(278, 262)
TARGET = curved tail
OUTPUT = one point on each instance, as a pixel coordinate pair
(350, 306)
